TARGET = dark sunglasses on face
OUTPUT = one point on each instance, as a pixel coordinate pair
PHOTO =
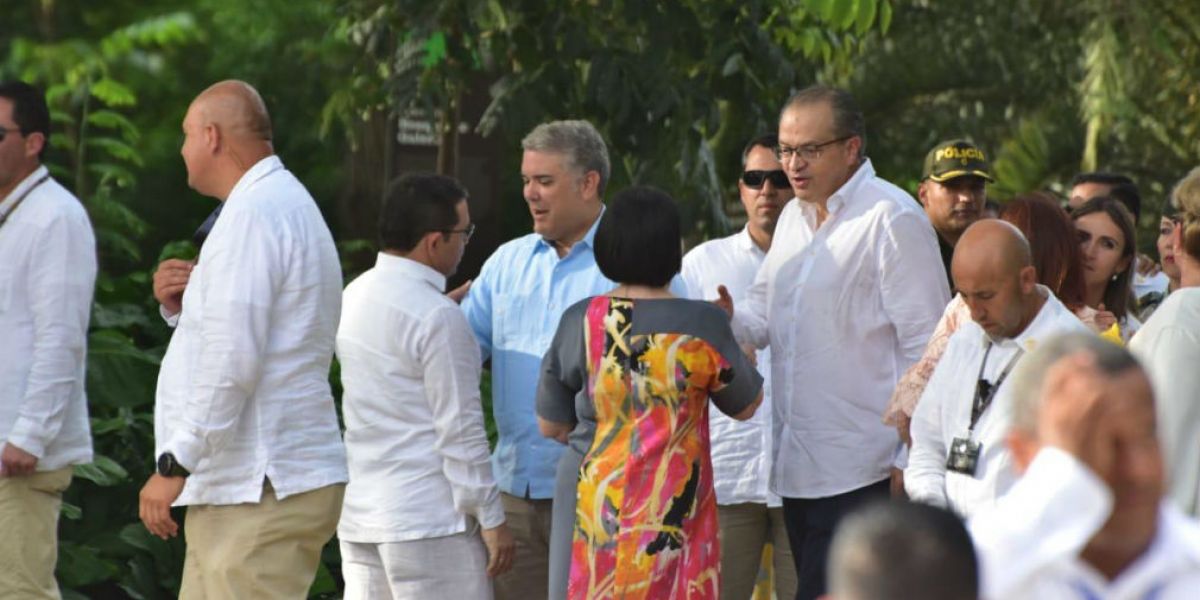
(755, 179)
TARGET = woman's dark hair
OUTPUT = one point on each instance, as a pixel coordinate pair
(1118, 293)
(1054, 242)
(415, 205)
(637, 241)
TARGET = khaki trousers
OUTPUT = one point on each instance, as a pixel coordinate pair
(529, 522)
(746, 529)
(29, 508)
(262, 551)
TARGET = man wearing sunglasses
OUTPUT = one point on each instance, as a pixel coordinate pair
(952, 191)
(749, 514)
(847, 297)
(47, 274)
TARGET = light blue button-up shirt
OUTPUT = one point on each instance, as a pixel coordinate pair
(514, 307)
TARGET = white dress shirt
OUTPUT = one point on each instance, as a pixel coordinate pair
(1029, 542)
(944, 412)
(846, 307)
(243, 392)
(47, 274)
(418, 453)
(1169, 347)
(741, 450)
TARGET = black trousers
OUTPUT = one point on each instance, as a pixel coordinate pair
(810, 526)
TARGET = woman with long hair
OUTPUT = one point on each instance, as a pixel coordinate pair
(1107, 244)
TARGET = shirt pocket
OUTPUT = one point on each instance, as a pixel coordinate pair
(513, 324)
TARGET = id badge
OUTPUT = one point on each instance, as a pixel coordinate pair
(964, 456)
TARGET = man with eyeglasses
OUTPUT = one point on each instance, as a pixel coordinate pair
(422, 516)
(847, 297)
(952, 191)
(47, 275)
(959, 460)
(750, 516)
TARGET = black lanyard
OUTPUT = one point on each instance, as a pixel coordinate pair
(21, 198)
(984, 391)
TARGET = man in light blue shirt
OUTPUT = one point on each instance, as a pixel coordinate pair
(514, 306)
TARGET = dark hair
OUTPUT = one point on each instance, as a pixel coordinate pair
(891, 549)
(1120, 187)
(770, 141)
(415, 205)
(1053, 241)
(1117, 294)
(637, 241)
(30, 112)
(847, 117)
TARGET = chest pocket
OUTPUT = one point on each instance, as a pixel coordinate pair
(518, 316)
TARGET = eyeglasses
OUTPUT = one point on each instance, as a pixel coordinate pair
(4, 131)
(807, 152)
(755, 179)
(467, 232)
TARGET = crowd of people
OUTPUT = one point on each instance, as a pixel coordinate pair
(910, 397)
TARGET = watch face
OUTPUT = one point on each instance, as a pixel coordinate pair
(164, 464)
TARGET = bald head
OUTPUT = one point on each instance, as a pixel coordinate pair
(993, 270)
(993, 242)
(226, 132)
(236, 109)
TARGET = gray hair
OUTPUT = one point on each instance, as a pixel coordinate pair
(1030, 374)
(577, 141)
(897, 550)
(848, 118)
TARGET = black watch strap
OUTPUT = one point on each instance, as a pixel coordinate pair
(169, 467)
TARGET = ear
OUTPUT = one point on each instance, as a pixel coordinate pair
(922, 190)
(1023, 447)
(212, 137)
(1177, 240)
(853, 146)
(34, 143)
(1028, 277)
(1125, 263)
(590, 184)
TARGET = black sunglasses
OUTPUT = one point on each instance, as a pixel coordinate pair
(755, 179)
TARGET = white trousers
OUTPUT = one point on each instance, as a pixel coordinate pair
(454, 566)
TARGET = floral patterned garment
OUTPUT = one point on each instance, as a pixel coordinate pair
(646, 514)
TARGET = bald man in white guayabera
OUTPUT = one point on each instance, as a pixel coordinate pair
(958, 458)
(246, 434)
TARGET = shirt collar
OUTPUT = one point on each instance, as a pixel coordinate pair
(25, 184)
(848, 192)
(407, 267)
(260, 169)
(588, 238)
(746, 242)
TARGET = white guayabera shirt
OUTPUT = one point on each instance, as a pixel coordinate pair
(846, 308)
(419, 461)
(1029, 542)
(47, 274)
(244, 392)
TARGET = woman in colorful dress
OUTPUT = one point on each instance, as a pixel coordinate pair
(626, 385)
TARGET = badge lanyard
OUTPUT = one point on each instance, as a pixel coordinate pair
(21, 198)
(984, 395)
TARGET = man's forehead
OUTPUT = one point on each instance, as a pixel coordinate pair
(536, 162)
(762, 158)
(6, 112)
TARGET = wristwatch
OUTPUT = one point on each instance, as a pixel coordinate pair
(169, 467)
